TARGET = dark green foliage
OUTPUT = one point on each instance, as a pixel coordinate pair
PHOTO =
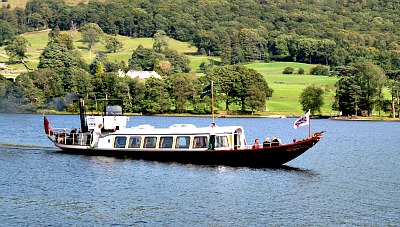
(319, 70)
(300, 71)
(233, 84)
(311, 99)
(17, 48)
(7, 33)
(288, 70)
(112, 44)
(58, 57)
(359, 85)
(327, 33)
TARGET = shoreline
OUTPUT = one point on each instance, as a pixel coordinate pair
(275, 116)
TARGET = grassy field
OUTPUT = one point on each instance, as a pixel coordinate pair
(277, 67)
(287, 88)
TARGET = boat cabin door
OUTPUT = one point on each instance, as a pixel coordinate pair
(235, 140)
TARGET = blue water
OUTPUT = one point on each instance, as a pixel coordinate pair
(351, 178)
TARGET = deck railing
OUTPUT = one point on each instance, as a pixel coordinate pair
(60, 135)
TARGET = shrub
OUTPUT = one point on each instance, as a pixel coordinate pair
(288, 70)
(319, 70)
(300, 71)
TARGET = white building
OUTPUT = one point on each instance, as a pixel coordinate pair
(141, 74)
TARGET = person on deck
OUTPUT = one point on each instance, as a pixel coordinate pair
(211, 145)
(96, 135)
(275, 141)
(256, 144)
(267, 142)
(62, 136)
(72, 136)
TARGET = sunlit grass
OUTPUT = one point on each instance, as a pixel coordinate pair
(278, 67)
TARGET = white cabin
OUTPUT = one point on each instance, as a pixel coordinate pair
(178, 137)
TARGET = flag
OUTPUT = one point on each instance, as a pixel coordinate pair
(47, 126)
(302, 121)
(206, 91)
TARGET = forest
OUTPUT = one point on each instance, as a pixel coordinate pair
(357, 40)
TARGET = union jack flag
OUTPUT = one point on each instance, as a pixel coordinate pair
(302, 121)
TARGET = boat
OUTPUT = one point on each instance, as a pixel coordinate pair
(181, 143)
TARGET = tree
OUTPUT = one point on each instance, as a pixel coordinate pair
(58, 57)
(255, 98)
(17, 48)
(91, 34)
(156, 97)
(311, 99)
(7, 32)
(319, 70)
(112, 44)
(372, 78)
(235, 81)
(160, 41)
(143, 59)
(182, 89)
(179, 62)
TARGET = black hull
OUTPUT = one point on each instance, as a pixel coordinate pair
(262, 157)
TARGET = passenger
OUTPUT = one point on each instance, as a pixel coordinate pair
(62, 136)
(72, 136)
(96, 135)
(275, 141)
(211, 145)
(80, 137)
(256, 144)
(267, 142)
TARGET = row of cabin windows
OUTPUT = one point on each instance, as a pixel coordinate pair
(168, 142)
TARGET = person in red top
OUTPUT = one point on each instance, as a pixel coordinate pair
(256, 144)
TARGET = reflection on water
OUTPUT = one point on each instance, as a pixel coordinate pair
(346, 179)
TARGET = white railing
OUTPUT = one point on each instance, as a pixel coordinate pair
(60, 135)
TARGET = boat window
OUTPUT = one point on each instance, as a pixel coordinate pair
(200, 142)
(165, 142)
(134, 142)
(221, 141)
(150, 142)
(182, 142)
(120, 142)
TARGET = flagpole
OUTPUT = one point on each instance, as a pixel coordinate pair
(212, 99)
(309, 126)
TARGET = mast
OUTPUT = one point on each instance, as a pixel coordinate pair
(84, 128)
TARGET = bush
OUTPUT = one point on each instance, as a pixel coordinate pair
(300, 71)
(288, 70)
(319, 70)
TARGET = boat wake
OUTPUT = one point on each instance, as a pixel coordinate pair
(20, 146)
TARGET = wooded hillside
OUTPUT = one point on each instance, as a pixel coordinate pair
(320, 32)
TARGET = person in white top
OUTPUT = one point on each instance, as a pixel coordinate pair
(211, 145)
(96, 135)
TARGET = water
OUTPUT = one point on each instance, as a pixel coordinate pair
(351, 178)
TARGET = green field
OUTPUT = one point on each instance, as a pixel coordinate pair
(277, 67)
(287, 87)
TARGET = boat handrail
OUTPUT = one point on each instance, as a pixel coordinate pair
(143, 127)
(77, 138)
(182, 126)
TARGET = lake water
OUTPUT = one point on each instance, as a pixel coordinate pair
(351, 178)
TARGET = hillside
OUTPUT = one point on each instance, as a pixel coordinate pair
(333, 33)
(287, 88)
(22, 3)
